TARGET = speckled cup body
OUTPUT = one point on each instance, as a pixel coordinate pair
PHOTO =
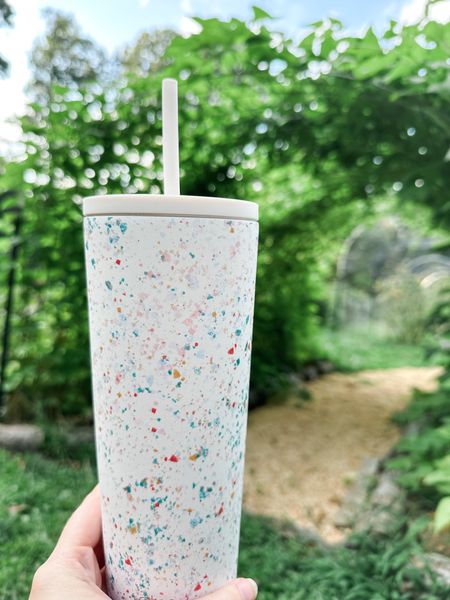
(170, 314)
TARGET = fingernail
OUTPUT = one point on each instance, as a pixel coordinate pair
(247, 588)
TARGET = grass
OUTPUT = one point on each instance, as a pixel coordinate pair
(367, 568)
(37, 495)
(360, 349)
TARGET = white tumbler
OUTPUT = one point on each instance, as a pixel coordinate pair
(171, 283)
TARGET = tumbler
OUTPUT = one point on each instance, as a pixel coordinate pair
(171, 283)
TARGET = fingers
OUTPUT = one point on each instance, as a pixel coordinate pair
(72, 571)
(240, 589)
(84, 528)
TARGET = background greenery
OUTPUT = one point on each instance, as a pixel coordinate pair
(285, 566)
(325, 134)
(319, 132)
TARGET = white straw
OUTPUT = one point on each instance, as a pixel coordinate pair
(170, 137)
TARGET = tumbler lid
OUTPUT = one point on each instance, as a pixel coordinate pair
(165, 205)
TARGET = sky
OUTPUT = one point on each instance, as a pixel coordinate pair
(114, 23)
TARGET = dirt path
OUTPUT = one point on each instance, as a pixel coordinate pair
(299, 459)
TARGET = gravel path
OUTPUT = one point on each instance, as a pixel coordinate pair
(300, 459)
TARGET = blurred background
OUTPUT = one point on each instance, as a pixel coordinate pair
(334, 118)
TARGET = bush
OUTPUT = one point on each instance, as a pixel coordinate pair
(257, 122)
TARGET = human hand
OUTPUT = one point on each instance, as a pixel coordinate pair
(74, 570)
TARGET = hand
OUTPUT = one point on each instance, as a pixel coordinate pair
(75, 568)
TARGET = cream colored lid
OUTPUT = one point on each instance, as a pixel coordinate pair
(159, 204)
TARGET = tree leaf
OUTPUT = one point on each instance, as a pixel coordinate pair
(259, 14)
(442, 515)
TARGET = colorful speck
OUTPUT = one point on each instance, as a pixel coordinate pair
(170, 340)
(134, 529)
(202, 453)
(204, 492)
(196, 521)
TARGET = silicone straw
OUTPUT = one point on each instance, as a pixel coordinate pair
(170, 137)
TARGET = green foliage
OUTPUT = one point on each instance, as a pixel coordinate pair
(6, 14)
(366, 567)
(357, 349)
(259, 14)
(417, 455)
(37, 496)
(423, 459)
(442, 515)
(146, 54)
(64, 56)
(314, 132)
(426, 408)
(440, 322)
(406, 319)
(439, 477)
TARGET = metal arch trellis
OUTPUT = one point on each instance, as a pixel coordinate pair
(10, 282)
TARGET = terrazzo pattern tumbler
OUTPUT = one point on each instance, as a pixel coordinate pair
(171, 284)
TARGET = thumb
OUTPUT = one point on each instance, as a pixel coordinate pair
(239, 589)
